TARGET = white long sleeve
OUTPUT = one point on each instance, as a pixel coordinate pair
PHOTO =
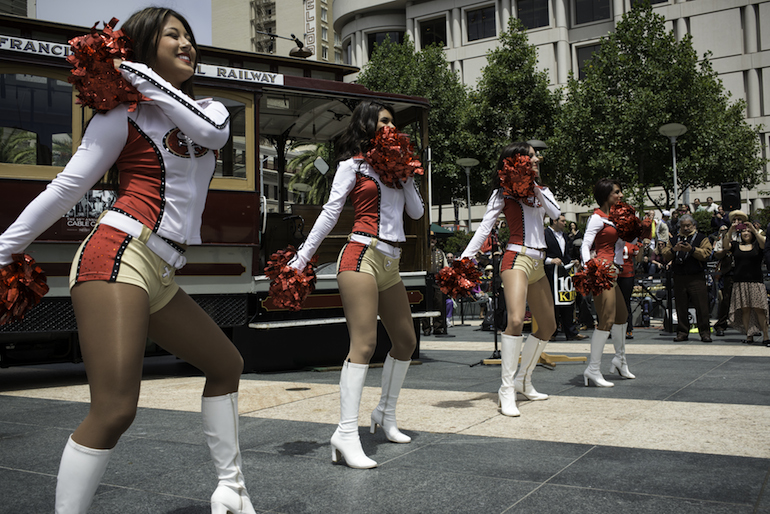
(102, 143)
(546, 198)
(344, 181)
(494, 208)
(185, 112)
(414, 207)
(595, 224)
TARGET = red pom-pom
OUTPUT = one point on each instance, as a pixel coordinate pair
(392, 157)
(289, 287)
(595, 277)
(517, 177)
(646, 229)
(22, 286)
(459, 279)
(624, 217)
(100, 85)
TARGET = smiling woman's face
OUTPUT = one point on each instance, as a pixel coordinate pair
(175, 59)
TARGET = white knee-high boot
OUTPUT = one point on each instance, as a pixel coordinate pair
(509, 361)
(80, 472)
(220, 424)
(345, 441)
(619, 362)
(593, 371)
(530, 355)
(393, 374)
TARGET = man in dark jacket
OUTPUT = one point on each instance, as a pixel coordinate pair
(688, 251)
(557, 253)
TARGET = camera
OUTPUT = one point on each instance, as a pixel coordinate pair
(740, 226)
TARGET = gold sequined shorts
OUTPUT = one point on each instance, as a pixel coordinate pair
(111, 255)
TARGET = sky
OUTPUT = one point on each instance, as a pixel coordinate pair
(86, 12)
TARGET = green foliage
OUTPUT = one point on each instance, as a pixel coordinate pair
(703, 221)
(512, 103)
(306, 172)
(762, 216)
(18, 146)
(640, 79)
(457, 242)
(397, 68)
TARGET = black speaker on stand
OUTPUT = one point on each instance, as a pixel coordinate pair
(731, 196)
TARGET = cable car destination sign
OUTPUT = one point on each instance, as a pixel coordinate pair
(47, 48)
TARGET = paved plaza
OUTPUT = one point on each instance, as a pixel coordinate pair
(691, 434)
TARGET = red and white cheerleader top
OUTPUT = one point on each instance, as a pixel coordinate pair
(523, 215)
(164, 151)
(379, 209)
(602, 237)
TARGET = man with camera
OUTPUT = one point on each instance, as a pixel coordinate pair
(688, 251)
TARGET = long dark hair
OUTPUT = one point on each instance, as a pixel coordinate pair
(603, 189)
(517, 148)
(359, 133)
(144, 28)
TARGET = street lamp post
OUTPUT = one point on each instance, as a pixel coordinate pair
(468, 163)
(672, 131)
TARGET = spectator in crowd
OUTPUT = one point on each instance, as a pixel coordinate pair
(710, 205)
(557, 254)
(663, 229)
(449, 307)
(723, 274)
(697, 206)
(758, 227)
(748, 302)
(720, 219)
(438, 261)
(574, 240)
(626, 282)
(688, 252)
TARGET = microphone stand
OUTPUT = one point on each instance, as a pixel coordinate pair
(495, 290)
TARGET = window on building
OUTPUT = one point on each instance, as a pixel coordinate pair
(338, 57)
(481, 23)
(634, 3)
(275, 192)
(336, 39)
(347, 54)
(36, 121)
(323, 14)
(584, 53)
(534, 13)
(325, 53)
(433, 32)
(324, 34)
(587, 11)
(380, 37)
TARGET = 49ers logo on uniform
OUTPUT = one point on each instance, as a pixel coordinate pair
(177, 143)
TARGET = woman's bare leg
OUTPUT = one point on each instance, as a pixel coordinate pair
(515, 287)
(397, 318)
(360, 303)
(540, 299)
(184, 329)
(112, 328)
(607, 304)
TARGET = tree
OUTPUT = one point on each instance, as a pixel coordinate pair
(511, 103)
(640, 79)
(306, 172)
(397, 68)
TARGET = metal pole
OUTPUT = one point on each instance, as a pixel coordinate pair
(468, 177)
(676, 185)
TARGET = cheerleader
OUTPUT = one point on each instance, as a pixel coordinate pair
(368, 277)
(122, 278)
(601, 238)
(523, 274)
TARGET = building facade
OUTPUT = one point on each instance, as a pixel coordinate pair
(266, 26)
(565, 33)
